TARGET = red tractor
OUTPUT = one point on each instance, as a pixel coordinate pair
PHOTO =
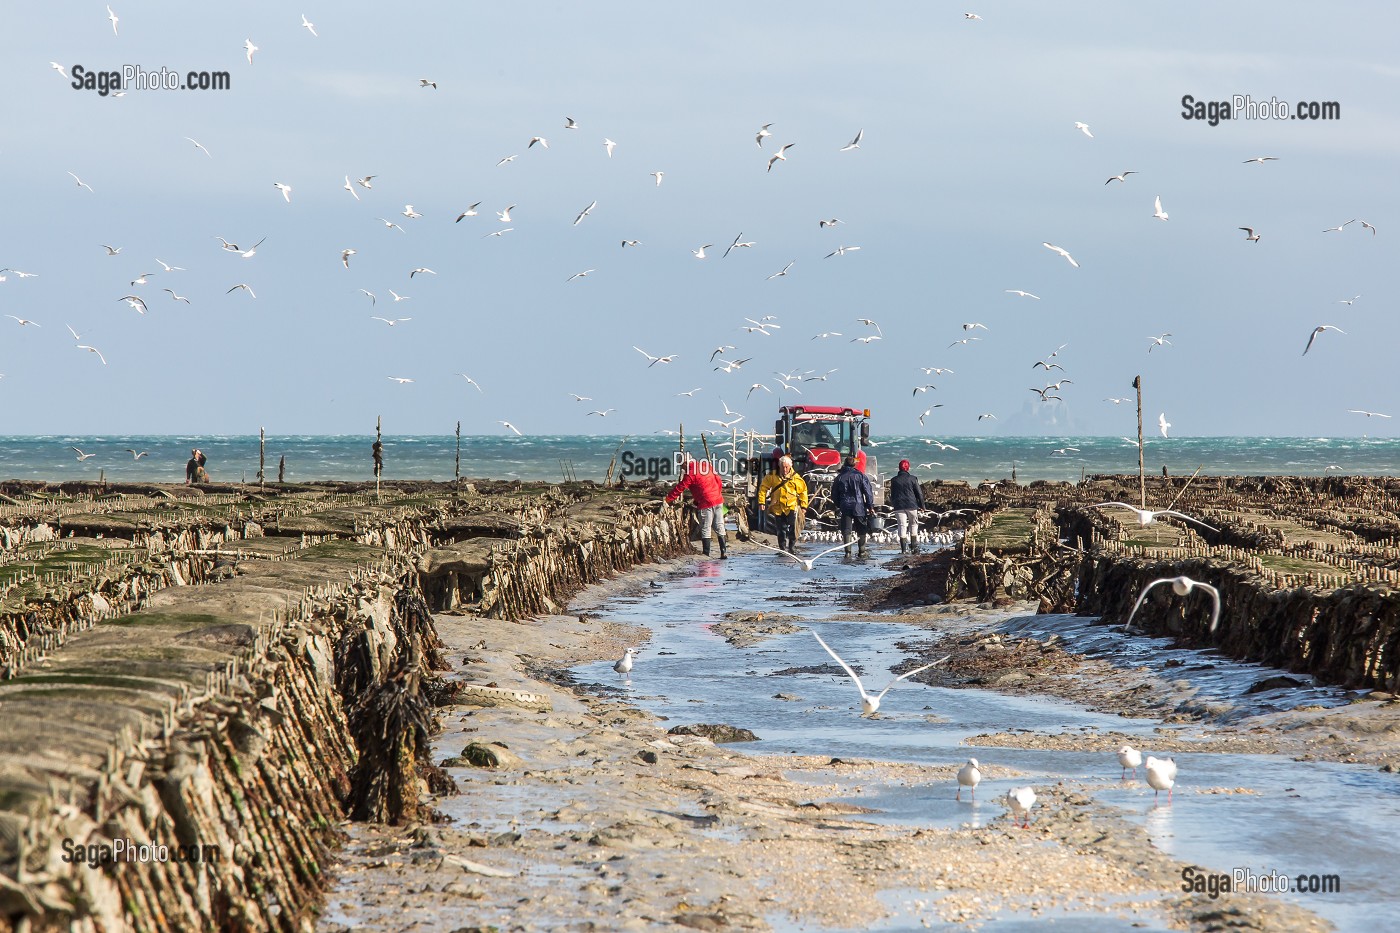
(818, 438)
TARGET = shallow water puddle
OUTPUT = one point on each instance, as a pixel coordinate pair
(1261, 813)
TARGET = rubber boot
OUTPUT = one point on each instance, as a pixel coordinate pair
(861, 550)
(705, 547)
(723, 549)
(913, 545)
(903, 545)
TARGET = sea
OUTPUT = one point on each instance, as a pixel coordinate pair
(311, 458)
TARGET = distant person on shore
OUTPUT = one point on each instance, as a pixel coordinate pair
(783, 497)
(854, 498)
(907, 498)
(707, 492)
(194, 468)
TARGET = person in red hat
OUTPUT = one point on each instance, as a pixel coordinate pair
(906, 499)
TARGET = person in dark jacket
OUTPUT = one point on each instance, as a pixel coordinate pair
(854, 498)
(907, 498)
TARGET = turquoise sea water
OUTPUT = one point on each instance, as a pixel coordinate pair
(545, 457)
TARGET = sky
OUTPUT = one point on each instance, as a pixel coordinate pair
(969, 160)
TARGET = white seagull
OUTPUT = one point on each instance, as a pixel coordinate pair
(1122, 177)
(1250, 235)
(391, 321)
(1261, 159)
(1147, 516)
(82, 456)
(398, 297)
(853, 144)
(584, 213)
(700, 253)
(81, 183)
(512, 427)
(1159, 341)
(869, 705)
(1163, 423)
(113, 17)
(345, 255)
(969, 775)
(624, 664)
(175, 297)
(783, 271)
(1083, 128)
(1020, 800)
(505, 214)
(1317, 330)
(308, 25)
(1129, 757)
(1161, 775)
(1017, 291)
(401, 380)
(469, 212)
(655, 359)
(199, 147)
(1157, 209)
(473, 382)
(251, 252)
(285, 189)
(137, 454)
(657, 176)
(113, 250)
(841, 251)
(83, 346)
(609, 145)
(779, 156)
(1062, 252)
(242, 285)
(249, 48)
(1368, 414)
(762, 130)
(170, 268)
(1181, 586)
(544, 143)
(578, 275)
(136, 303)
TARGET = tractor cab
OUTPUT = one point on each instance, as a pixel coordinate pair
(818, 438)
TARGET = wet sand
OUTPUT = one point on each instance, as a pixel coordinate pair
(598, 819)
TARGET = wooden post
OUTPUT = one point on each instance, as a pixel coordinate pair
(1142, 478)
(457, 466)
(282, 470)
(262, 456)
(378, 450)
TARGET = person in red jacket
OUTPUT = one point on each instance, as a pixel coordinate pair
(707, 492)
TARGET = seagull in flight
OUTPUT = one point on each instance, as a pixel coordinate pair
(570, 124)
(866, 340)
(82, 456)
(393, 321)
(578, 275)
(938, 370)
(1250, 235)
(250, 253)
(926, 413)
(655, 359)
(869, 705)
(964, 342)
(175, 297)
(1317, 330)
(365, 182)
(841, 251)
(169, 268)
(853, 144)
(830, 223)
(401, 380)
(137, 454)
(200, 147)
(308, 25)
(807, 563)
(242, 285)
(345, 255)
(779, 156)
(544, 143)
(757, 385)
(113, 17)
(1347, 301)
(370, 295)
(1261, 159)
(783, 271)
(473, 382)
(974, 326)
(1158, 341)
(502, 232)
(658, 176)
(869, 323)
(973, 17)
(988, 416)
(1122, 177)
(1181, 586)
(60, 69)
(505, 214)
(113, 250)
(1157, 211)
(1017, 291)
(1146, 517)
(581, 398)
(423, 269)
(720, 349)
(1083, 128)
(1338, 229)
(390, 224)
(141, 279)
(249, 48)
(700, 253)
(601, 414)
(285, 189)
(1047, 366)
(1118, 401)
(469, 212)
(584, 213)
(691, 393)
(609, 145)
(136, 303)
(1062, 252)
(1366, 226)
(509, 158)
(1162, 423)
(828, 333)
(512, 427)
(22, 321)
(398, 297)
(762, 130)
(1368, 414)
(424, 82)
(81, 183)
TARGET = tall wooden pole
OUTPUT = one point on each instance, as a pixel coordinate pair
(1142, 477)
(379, 447)
(262, 457)
(457, 467)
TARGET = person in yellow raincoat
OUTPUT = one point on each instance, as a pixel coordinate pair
(783, 497)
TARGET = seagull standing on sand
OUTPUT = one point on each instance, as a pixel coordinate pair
(1020, 801)
(969, 775)
(1161, 776)
(870, 705)
(1317, 330)
(1148, 516)
(1129, 757)
(1181, 586)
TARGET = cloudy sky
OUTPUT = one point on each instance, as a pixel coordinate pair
(970, 159)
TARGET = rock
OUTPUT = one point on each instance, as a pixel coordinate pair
(1010, 678)
(1380, 695)
(715, 732)
(787, 697)
(1278, 682)
(648, 756)
(492, 755)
